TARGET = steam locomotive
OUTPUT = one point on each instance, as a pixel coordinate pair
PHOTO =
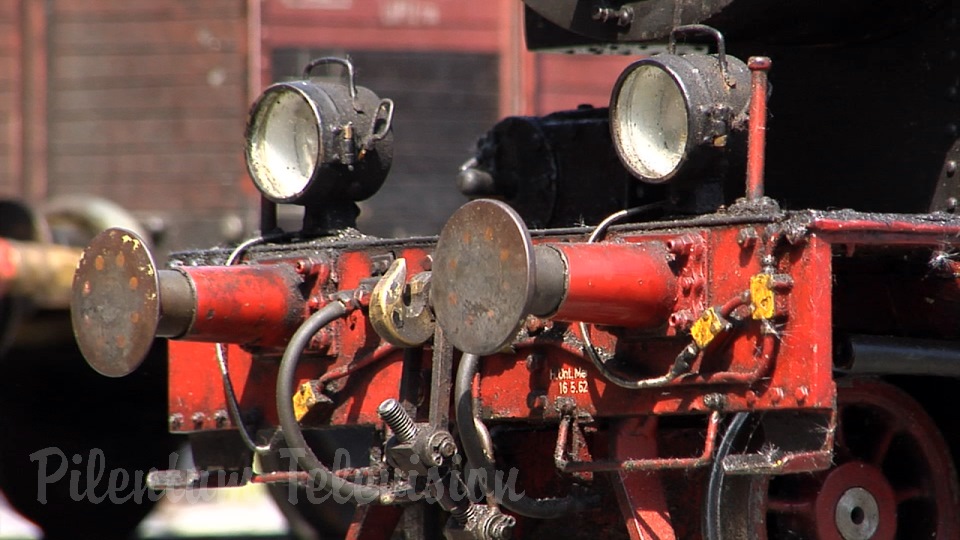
(685, 315)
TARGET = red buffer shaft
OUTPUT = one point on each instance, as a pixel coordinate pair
(616, 285)
(250, 305)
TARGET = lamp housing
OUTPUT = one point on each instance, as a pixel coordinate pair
(674, 112)
(311, 141)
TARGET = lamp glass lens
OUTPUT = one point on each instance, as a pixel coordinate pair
(651, 122)
(285, 146)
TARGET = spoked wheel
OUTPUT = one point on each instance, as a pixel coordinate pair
(893, 478)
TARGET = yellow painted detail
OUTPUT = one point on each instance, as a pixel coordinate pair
(761, 296)
(707, 328)
(303, 400)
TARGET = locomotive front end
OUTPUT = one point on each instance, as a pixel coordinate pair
(686, 355)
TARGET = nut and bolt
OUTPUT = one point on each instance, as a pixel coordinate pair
(951, 168)
(680, 246)
(447, 448)
(198, 418)
(622, 16)
(716, 402)
(500, 527)
(776, 395)
(175, 421)
(801, 393)
(747, 237)
(221, 417)
(393, 414)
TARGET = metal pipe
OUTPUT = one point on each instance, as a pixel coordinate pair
(757, 130)
(876, 355)
(633, 465)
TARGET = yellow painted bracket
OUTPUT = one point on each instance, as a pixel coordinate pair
(304, 400)
(707, 327)
(761, 296)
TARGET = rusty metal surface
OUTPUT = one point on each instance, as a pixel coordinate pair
(483, 276)
(115, 307)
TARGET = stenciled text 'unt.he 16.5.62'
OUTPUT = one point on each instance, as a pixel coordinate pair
(695, 362)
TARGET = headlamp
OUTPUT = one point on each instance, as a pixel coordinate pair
(669, 109)
(311, 140)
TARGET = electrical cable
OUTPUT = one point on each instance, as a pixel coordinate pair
(233, 406)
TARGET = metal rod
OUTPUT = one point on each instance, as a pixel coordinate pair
(875, 355)
(757, 141)
(630, 465)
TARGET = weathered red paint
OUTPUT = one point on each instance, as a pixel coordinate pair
(640, 495)
(888, 230)
(619, 285)
(757, 142)
(752, 377)
(782, 364)
(253, 305)
(347, 356)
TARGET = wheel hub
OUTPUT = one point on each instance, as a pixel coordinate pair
(858, 515)
(856, 502)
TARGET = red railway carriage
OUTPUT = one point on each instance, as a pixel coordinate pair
(652, 318)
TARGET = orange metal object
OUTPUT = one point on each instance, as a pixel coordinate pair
(625, 285)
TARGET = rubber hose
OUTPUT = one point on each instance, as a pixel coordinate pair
(292, 433)
(517, 503)
(711, 511)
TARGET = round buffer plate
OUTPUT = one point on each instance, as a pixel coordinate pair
(115, 307)
(483, 276)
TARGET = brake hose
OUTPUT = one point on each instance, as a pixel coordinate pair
(711, 511)
(472, 445)
(292, 433)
